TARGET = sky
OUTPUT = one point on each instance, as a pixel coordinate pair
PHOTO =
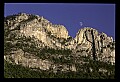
(73, 16)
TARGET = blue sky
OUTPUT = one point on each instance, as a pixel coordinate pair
(72, 15)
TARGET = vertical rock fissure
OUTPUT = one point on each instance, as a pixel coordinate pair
(101, 40)
(93, 45)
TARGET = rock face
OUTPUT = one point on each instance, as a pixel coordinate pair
(28, 60)
(40, 28)
(34, 31)
(100, 45)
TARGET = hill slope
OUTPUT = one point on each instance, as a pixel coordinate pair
(32, 43)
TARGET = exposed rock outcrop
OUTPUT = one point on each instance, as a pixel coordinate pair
(96, 44)
(27, 30)
(39, 27)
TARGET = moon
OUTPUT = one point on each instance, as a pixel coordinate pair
(81, 23)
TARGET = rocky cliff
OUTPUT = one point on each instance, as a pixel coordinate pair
(33, 41)
(33, 25)
(98, 44)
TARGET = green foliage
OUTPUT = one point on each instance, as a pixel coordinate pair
(70, 38)
(53, 51)
(46, 53)
(18, 71)
(7, 47)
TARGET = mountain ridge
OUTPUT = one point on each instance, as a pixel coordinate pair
(33, 41)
